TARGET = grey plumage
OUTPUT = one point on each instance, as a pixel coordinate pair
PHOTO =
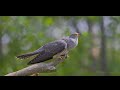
(49, 50)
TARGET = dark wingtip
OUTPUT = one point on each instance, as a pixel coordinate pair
(30, 63)
(20, 57)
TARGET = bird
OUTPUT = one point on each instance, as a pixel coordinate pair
(55, 49)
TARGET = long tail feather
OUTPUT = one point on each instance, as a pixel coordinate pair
(24, 56)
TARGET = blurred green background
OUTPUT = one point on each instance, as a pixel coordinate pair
(97, 54)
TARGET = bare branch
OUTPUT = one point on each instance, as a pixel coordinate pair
(37, 68)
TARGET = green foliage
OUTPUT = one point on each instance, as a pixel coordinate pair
(93, 18)
(24, 34)
(85, 34)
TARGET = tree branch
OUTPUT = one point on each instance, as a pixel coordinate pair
(37, 68)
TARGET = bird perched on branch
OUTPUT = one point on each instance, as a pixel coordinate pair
(55, 49)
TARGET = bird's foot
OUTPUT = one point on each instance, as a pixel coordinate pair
(61, 58)
(64, 56)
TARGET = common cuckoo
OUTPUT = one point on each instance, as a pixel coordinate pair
(55, 49)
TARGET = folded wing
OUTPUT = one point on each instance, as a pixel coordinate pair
(50, 50)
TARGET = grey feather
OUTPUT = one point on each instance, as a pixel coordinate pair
(71, 42)
(24, 56)
(50, 50)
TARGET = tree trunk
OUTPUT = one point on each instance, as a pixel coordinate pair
(103, 48)
(92, 46)
(0, 46)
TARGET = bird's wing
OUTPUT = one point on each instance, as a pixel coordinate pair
(50, 50)
(55, 47)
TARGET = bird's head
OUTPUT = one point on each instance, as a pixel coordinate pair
(75, 35)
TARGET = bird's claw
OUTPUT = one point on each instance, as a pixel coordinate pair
(61, 58)
(64, 56)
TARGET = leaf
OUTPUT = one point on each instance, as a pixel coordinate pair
(48, 21)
